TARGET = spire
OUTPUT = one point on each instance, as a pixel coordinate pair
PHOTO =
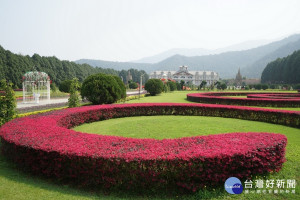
(238, 78)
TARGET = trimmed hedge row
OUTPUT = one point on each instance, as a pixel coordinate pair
(253, 99)
(43, 144)
(294, 96)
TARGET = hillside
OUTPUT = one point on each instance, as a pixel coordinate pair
(283, 70)
(254, 70)
(115, 65)
(13, 67)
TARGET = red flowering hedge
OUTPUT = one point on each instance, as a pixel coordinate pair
(43, 144)
(253, 99)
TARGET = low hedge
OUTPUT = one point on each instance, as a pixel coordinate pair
(253, 99)
(43, 144)
(293, 96)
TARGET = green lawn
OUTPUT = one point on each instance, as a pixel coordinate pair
(15, 184)
(235, 96)
(178, 97)
(171, 126)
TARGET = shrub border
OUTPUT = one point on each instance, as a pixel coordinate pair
(53, 150)
(253, 99)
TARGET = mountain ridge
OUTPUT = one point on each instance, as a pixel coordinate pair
(226, 64)
(201, 51)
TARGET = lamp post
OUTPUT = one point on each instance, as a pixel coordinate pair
(141, 85)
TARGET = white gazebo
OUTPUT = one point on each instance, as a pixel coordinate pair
(36, 87)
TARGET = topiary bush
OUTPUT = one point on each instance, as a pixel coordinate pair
(121, 85)
(101, 89)
(154, 86)
(133, 85)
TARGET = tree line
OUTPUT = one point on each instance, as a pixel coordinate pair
(14, 66)
(283, 70)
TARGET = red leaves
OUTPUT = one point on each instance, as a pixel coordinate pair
(253, 99)
(44, 145)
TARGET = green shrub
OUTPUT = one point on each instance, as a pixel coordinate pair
(178, 86)
(172, 85)
(297, 87)
(258, 86)
(7, 102)
(133, 85)
(64, 86)
(154, 86)
(53, 87)
(221, 86)
(74, 99)
(166, 88)
(264, 86)
(101, 89)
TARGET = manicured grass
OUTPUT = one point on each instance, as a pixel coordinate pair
(15, 184)
(160, 127)
(175, 97)
(235, 96)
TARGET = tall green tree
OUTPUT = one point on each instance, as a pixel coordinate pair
(202, 85)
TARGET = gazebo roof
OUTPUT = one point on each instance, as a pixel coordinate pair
(36, 76)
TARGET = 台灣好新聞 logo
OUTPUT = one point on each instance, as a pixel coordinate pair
(233, 185)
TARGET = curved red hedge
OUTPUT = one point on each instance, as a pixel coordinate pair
(253, 99)
(292, 96)
(44, 144)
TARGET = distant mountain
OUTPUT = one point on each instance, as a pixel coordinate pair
(251, 61)
(169, 53)
(200, 51)
(115, 65)
(227, 64)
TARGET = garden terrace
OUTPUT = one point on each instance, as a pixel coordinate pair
(253, 99)
(43, 144)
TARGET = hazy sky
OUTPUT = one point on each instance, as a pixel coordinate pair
(123, 30)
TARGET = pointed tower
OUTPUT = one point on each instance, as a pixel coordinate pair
(238, 78)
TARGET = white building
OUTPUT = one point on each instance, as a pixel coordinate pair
(192, 77)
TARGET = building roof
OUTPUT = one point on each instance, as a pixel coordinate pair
(191, 72)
